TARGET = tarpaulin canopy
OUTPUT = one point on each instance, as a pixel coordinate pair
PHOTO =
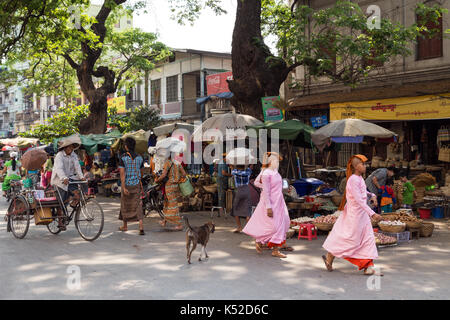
(19, 142)
(294, 130)
(91, 142)
(222, 95)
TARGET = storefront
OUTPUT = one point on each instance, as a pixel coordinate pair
(416, 120)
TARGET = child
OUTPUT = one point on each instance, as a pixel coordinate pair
(409, 192)
(387, 197)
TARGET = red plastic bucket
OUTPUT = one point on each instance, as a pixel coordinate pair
(424, 213)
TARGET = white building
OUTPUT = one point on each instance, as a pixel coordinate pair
(174, 85)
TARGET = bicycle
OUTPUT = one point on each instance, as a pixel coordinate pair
(87, 214)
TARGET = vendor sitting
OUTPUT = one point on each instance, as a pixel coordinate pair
(387, 198)
(97, 173)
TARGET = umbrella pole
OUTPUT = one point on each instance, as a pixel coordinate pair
(291, 162)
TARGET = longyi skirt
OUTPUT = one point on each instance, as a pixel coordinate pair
(241, 202)
(131, 205)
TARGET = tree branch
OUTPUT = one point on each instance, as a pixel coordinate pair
(72, 63)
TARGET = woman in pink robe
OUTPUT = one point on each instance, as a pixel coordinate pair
(352, 236)
(270, 221)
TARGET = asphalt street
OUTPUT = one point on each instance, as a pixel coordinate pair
(124, 265)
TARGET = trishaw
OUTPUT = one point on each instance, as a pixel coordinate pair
(87, 213)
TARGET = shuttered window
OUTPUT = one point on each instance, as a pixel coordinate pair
(430, 46)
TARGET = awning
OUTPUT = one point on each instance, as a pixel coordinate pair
(293, 129)
(91, 142)
(166, 129)
(409, 108)
(222, 95)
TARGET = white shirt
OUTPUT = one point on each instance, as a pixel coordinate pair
(66, 166)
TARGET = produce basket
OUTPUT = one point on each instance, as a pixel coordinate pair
(426, 230)
(389, 217)
(323, 226)
(211, 188)
(306, 205)
(391, 228)
(290, 233)
(413, 224)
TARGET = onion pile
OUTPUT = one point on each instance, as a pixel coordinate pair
(302, 220)
(330, 219)
(384, 239)
(392, 223)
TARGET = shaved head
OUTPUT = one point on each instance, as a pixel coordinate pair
(355, 162)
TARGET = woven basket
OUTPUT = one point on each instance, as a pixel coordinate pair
(337, 200)
(413, 224)
(211, 188)
(392, 229)
(389, 217)
(323, 226)
(426, 230)
(306, 206)
(374, 223)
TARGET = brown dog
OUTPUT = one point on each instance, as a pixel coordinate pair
(196, 235)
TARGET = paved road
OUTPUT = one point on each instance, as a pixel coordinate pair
(128, 266)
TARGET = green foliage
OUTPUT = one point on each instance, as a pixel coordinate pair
(65, 122)
(144, 117)
(336, 42)
(190, 10)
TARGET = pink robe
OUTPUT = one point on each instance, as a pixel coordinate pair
(352, 235)
(260, 226)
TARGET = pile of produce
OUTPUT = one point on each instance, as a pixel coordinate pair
(392, 223)
(330, 219)
(423, 180)
(381, 239)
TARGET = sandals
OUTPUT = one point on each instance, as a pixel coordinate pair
(278, 254)
(162, 223)
(237, 230)
(258, 247)
(123, 229)
(327, 264)
(372, 272)
(289, 249)
(141, 233)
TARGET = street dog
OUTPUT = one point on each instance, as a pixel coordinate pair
(197, 235)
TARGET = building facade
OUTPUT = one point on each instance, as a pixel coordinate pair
(175, 85)
(408, 95)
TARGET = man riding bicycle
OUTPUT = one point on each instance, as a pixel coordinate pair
(66, 168)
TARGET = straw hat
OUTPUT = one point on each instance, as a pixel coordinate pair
(72, 140)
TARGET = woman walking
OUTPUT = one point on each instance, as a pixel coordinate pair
(12, 169)
(175, 175)
(270, 221)
(352, 236)
(241, 198)
(131, 166)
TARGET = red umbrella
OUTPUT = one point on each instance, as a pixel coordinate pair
(34, 159)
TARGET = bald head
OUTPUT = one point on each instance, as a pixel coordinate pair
(358, 166)
(355, 162)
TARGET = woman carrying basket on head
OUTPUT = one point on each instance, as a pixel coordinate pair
(173, 174)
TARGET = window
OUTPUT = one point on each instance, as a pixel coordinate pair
(430, 46)
(326, 51)
(156, 91)
(172, 88)
(128, 21)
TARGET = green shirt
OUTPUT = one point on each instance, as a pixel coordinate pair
(408, 190)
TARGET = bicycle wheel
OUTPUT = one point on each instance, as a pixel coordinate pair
(53, 226)
(158, 204)
(89, 220)
(19, 216)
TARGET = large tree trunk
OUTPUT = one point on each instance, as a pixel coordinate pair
(253, 76)
(96, 122)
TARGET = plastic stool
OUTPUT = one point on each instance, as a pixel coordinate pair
(218, 208)
(311, 231)
(91, 192)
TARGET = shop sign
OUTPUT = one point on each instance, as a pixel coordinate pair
(217, 83)
(411, 108)
(120, 103)
(271, 113)
(317, 122)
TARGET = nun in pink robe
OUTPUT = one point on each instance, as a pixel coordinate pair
(265, 229)
(352, 236)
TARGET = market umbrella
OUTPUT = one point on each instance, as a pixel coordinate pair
(166, 129)
(350, 131)
(229, 126)
(239, 156)
(34, 159)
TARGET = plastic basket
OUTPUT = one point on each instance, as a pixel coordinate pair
(401, 236)
(438, 212)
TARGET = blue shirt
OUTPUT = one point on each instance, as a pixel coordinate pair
(241, 177)
(132, 169)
